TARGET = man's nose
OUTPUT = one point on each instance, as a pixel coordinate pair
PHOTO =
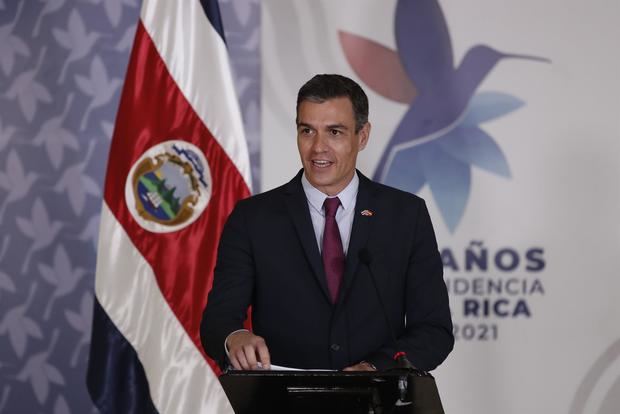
(320, 143)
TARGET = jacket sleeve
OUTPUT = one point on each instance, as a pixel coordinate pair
(427, 338)
(233, 284)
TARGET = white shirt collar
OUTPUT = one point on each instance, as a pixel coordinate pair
(316, 198)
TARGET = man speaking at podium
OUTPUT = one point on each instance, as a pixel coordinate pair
(341, 272)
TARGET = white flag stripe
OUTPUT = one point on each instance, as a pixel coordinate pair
(180, 380)
(197, 60)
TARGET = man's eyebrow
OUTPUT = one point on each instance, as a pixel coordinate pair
(303, 124)
(337, 126)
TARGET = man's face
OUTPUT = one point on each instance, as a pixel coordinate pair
(328, 144)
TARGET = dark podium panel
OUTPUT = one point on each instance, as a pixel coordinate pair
(322, 392)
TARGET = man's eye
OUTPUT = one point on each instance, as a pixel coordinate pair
(335, 132)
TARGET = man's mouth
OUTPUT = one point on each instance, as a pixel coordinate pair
(321, 163)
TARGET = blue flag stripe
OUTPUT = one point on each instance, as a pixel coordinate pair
(212, 10)
(124, 388)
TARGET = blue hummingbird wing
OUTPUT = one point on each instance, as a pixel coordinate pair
(474, 146)
(449, 178)
(406, 172)
(485, 106)
(423, 42)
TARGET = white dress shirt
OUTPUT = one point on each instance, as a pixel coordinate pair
(344, 214)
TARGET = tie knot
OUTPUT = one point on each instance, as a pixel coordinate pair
(331, 206)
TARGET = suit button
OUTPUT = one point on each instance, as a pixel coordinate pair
(335, 347)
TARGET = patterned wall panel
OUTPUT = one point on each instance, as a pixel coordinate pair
(62, 65)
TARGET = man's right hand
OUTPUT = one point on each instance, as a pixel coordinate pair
(246, 350)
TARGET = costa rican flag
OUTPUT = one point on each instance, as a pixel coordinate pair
(178, 163)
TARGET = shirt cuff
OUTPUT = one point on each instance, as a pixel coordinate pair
(226, 340)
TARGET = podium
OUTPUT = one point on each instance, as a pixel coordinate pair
(323, 392)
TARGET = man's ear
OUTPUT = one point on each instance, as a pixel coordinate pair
(364, 135)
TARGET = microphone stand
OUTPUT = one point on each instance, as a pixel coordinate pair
(402, 362)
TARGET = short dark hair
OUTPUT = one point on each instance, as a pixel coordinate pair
(327, 86)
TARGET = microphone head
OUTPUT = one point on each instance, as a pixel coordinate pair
(365, 256)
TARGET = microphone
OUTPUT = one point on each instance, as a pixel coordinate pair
(399, 356)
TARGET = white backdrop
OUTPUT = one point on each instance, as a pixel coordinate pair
(550, 340)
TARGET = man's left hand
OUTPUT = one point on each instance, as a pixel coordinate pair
(362, 366)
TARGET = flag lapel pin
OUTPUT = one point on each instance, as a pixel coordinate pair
(367, 213)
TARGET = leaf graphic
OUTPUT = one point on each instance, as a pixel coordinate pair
(126, 40)
(251, 44)
(44, 231)
(54, 375)
(75, 39)
(12, 45)
(74, 320)
(108, 129)
(486, 106)
(18, 339)
(379, 67)
(50, 7)
(19, 46)
(28, 91)
(48, 274)
(76, 26)
(71, 183)
(31, 328)
(113, 9)
(474, 146)
(55, 137)
(91, 186)
(242, 83)
(102, 88)
(6, 283)
(15, 169)
(6, 391)
(84, 85)
(65, 277)
(5, 246)
(91, 231)
(14, 181)
(19, 326)
(63, 38)
(40, 373)
(243, 11)
(82, 323)
(26, 227)
(40, 385)
(60, 406)
(5, 135)
(406, 172)
(86, 309)
(4, 181)
(449, 180)
(40, 217)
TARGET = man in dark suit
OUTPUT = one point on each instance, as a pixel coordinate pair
(341, 272)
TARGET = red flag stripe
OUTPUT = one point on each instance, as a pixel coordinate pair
(154, 110)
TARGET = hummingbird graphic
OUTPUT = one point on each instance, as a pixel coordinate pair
(438, 139)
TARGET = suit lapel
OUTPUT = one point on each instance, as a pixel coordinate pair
(359, 233)
(297, 206)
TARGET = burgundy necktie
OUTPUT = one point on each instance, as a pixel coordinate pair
(333, 254)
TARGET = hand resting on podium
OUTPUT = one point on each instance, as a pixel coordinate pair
(249, 352)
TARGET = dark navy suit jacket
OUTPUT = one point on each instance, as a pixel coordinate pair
(268, 258)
